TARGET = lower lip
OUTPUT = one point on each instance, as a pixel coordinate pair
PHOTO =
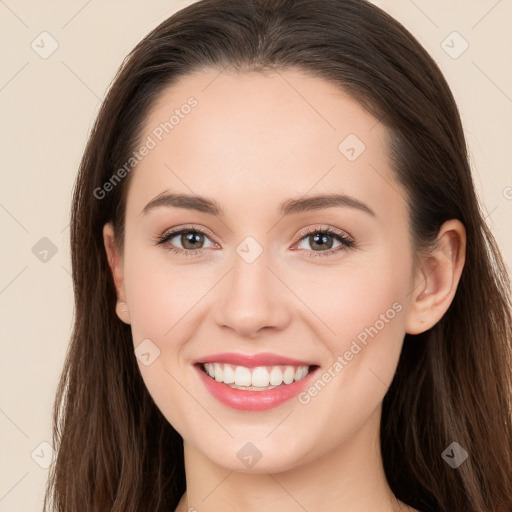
(253, 400)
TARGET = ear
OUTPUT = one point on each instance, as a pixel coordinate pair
(437, 278)
(115, 262)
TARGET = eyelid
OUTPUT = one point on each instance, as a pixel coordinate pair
(188, 227)
(325, 228)
(171, 233)
(346, 241)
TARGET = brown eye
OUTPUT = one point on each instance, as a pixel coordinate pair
(186, 240)
(321, 241)
(191, 240)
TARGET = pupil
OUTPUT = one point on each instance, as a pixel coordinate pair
(190, 238)
(323, 239)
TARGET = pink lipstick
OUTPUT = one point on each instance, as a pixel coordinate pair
(255, 382)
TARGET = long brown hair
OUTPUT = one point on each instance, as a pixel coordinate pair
(116, 451)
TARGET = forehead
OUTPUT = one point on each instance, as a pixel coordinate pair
(249, 137)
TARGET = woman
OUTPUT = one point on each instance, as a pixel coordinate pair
(222, 358)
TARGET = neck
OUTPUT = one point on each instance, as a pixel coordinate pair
(349, 477)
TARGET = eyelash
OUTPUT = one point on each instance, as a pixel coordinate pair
(346, 242)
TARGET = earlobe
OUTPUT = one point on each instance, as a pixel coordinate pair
(122, 311)
(115, 261)
(437, 278)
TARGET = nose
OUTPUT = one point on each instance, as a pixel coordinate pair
(253, 299)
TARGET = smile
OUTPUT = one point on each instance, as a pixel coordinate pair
(255, 379)
(254, 383)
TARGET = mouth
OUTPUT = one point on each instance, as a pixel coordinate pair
(254, 388)
(258, 378)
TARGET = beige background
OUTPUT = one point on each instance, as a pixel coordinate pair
(48, 107)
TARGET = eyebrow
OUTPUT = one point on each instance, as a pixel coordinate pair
(289, 207)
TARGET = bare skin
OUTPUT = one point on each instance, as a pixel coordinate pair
(253, 142)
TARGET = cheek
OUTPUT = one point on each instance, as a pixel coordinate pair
(160, 294)
(366, 314)
(367, 300)
(363, 306)
(161, 297)
(356, 296)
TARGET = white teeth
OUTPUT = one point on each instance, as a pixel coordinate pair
(260, 377)
(276, 376)
(229, 374)
(219, 372)
(242, 376)
(301, 372)
(288, 374)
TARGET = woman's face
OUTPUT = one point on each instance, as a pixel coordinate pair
(252, 152)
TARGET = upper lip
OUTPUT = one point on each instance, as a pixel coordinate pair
(250, 360)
